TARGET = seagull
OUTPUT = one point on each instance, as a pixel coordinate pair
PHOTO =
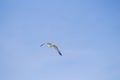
(52, 45)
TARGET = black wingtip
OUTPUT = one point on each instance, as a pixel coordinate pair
(60, 53)
(42, 44)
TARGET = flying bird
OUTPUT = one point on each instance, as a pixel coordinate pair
(53, 46)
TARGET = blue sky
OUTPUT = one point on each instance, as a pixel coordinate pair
(86, 31)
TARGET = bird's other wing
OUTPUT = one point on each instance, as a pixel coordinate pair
(57, 50)
(42, 44)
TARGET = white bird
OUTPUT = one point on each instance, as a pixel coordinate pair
(52, 45)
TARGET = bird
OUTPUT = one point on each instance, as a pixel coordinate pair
(52, 45)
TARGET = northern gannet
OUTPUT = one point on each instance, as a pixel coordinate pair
(52, 45)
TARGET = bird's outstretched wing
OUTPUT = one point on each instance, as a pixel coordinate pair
(42, 44)
(52, 45)
(55, 47)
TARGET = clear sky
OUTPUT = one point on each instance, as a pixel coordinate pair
(86, 31)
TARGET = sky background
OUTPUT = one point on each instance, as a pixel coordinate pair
(87, 33)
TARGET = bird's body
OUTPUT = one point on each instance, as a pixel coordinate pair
(50, 44)
(54, 46)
